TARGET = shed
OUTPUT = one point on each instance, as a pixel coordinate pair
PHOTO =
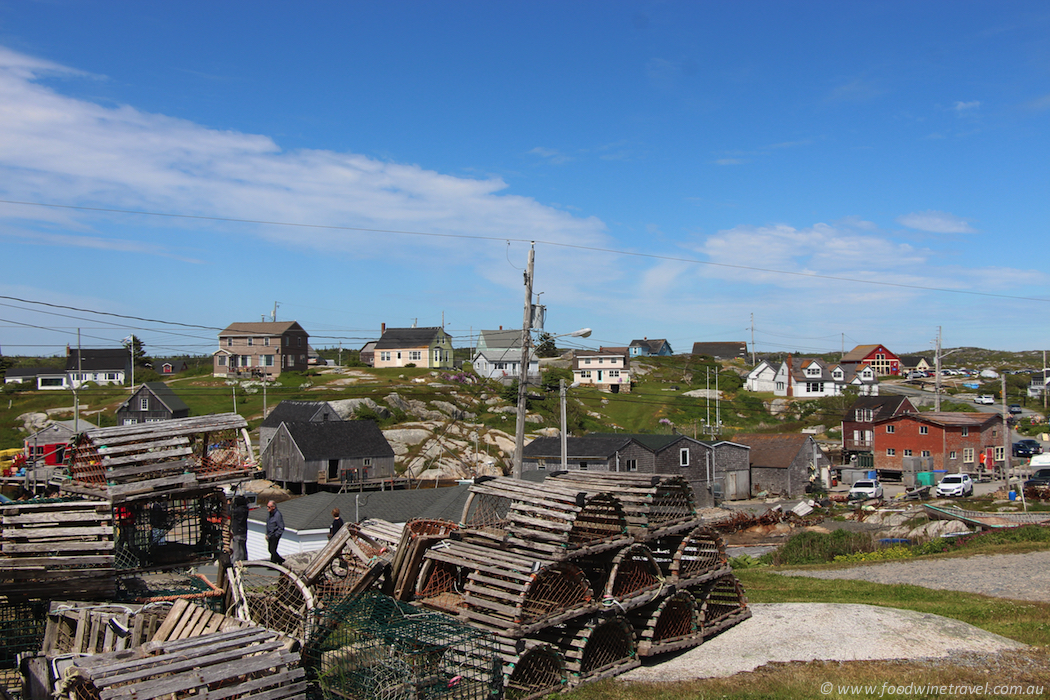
(295, 412)
(152, 402)
(334, 453)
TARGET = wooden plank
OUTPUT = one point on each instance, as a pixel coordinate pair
(147, 464)
(172, 619)
(113, 450)
(44, 532)
(66, 546)
(51, 518)
(150, 485)
(26, 563)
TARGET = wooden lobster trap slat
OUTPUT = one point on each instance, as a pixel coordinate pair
(629, 579)
(502, 589)
(653, 505)
(722, 604)
(531, 669)
(669, 624)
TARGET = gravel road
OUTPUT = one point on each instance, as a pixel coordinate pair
(1017, 576)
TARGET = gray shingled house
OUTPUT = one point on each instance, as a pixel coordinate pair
(783, 462)
(305, 456)
(295, 412)
(154, 401)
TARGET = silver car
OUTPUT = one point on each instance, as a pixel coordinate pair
(955, 485)
(865, 488)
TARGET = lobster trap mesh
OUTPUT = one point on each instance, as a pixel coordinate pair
(441, 585)
(720, 599)
(555, 589)
(372, 646)
(271, 597)
(609, 643)
(218, 452)
(635, 571)
(675, 617)
(168, 532)
(488, 512)
(601, 518)
(21, 629)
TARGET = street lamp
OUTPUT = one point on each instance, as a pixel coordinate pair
(523, 380)
(564, 434)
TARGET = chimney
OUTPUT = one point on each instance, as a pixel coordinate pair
(501, 327)
(789, 373)
(382, 329)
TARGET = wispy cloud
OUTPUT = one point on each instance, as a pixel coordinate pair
(855, 90)
(731, 161)
(936, 222)
(966, 106)
(551, 155)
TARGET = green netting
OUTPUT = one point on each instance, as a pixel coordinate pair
(21, 629)
(372, 646)
(169, 531)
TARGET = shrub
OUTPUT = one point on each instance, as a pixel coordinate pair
(820, 548)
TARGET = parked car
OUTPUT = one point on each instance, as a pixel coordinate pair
(986, 399)
(1015, 408)
(1027, 448)
(865, 488)
(955, 485)
(1041, 477)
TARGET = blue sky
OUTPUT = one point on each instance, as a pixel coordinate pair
(848, 173)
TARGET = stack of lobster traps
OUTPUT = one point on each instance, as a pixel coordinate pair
(581, 576)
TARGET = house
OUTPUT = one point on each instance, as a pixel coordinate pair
(953, 442)
(721, 351)
(858, 424)
(810, 378)
(607, 371)
(498, 356)
(153, 402)
(716, 470)
(303, 456)
(295, 412)
(166, 367)
(420, 347)
(49, 445)
(658, 347)
(367, 356)
(263, 349)
(881, 360)
(784, 463)
(98, 365)
(1037, 386)
(914, 363)
(32, 375)
(763, 377)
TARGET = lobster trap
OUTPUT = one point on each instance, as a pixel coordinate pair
(373, 646)
(167, 532)
(272, 597)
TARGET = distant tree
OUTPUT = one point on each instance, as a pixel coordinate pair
(546, 347)
(133, 343)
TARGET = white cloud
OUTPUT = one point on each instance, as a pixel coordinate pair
(551, 154)
(731, 161)
(936, 222)
(966, 106)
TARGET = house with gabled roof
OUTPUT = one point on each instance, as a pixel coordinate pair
(914, 363)
(811, 378)
(49, 445)
(305, 456)
(716, 470)
(295, 412)
(421, 347)
(657, 347)
(952, 441)
(783, 463)
(763, 377)
(878, 357)
(498, 356)
(608, 371)
(98, 365)
(263, 349)
(152, 402)
(858, 425)
(722, 350)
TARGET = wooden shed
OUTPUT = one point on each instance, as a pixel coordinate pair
(334, 453)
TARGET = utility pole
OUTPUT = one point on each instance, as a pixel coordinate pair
(564, 437)
(752, 338)
(1006, 436)
(273, 317)
(523, 378)
(937, 371)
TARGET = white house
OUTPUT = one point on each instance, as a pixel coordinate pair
(762, 377)
(609, 371)
(809, 378)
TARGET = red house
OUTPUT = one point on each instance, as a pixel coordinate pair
(953, 442)
(881, 360)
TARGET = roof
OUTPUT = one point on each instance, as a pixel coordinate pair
(163, 393)
(297, 412)
(64, 426)
(506, 354)
(599, 446)
(29, 371)
(948, 419)
(339, 440)
(501, 339)
(314, 512)
(408, 337)
(884, 405)
(776, 450)
(721, 351)
(654, 345)
(912, 360)
(261, 328)
(861, 352)
(654, 442)
(95, 359)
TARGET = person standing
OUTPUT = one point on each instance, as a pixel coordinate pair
(337, 523)
(274, 530)
(239, 528)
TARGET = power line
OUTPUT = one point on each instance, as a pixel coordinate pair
(108, 313)
(594, 249)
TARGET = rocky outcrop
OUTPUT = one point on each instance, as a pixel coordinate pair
(347, 408)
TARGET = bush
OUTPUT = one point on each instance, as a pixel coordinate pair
(820, 548)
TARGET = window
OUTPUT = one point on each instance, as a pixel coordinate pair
(266, 342)
(814, 387)
(864, 415)
(583, 466)
(600, 360)
(415, 355)
(1000, 454)
(229, 342)
(437, 355)
(966, 432)
(968, 455)
(907, 453)
(585, 374)
(130, 421)
(891, 428)
(683, 457)
(632, 465)
(267, 360)
(614, 373)
(286, 343)
(251, 342)
(111, 376)
(890, 452)
(222, 360)
(384, 356)
(587, 361)
(952, 455)
(144, 403)
(300, 339)
(367, 461)
(925, 453)
(924, 430)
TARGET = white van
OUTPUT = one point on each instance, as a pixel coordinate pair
(1042, 460)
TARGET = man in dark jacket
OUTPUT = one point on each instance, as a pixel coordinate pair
(274, 530)
(337, 523)
(239, 528)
